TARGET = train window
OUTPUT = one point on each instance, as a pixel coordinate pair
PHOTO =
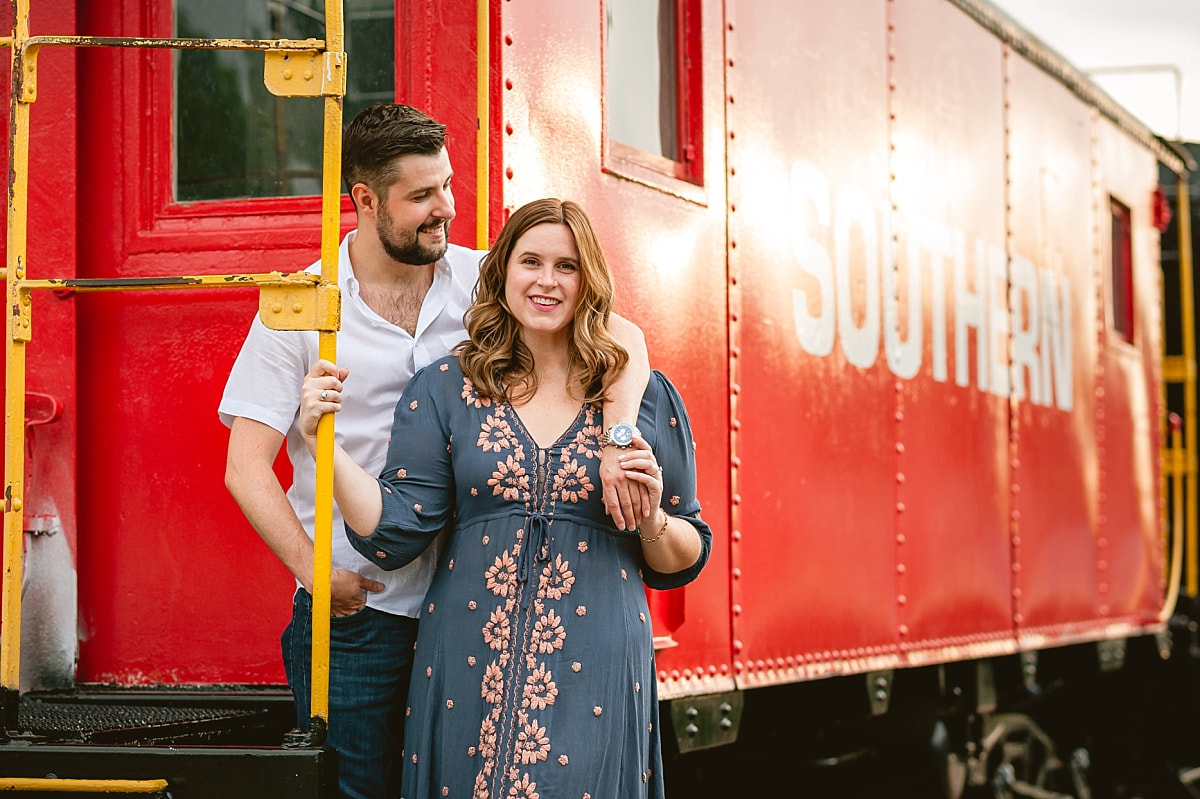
(1122, 271)
(233, 138)
(652, 86)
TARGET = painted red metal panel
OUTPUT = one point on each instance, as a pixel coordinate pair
(944, 346)
(1129, 573)
(807, 143)
(1055, 448)
(667, 253)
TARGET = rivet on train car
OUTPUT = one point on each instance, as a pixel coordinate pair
(736, 424)
(736, 535)
(735, 389)
(724, 668)
(735, 351)
(297, 307)
(900, 538)
(1015, 463)
(902, 600)
(675, 674)
(1102, 565)
(687, 674)
(737, 573)
(899, 416)
(733, 280)
(899, 507)
(736, 499)
(733, 244)
(508, 129)
(733, 207)
(737, 645)
(733, 317)
(1016, 567)
(903, 629)
(737, 610)
(308, 75)
(662, 676)
(1101, 542)
(891, 55)
(508, 38)
(287, 74)
(729, 26)
(1016, 488)
(899, 447)
(508, 84)
(900, 478)
(16, 504)
(735, 462)
(732, 135)
(731, 99)
(1018, 618)
(730, 62)
(901, 568)
(1016, 540)
(1104, 608)
(508, 173)
(1015, 515)
(277, 308)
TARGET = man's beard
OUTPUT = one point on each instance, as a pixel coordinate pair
(405, 246)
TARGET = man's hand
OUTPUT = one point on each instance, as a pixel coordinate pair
(624, 500)
(348, 592)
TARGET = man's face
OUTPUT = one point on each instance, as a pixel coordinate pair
(413, 221)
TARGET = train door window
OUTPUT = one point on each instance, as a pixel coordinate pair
(652, 87)
(1122, 271)
(234, 139)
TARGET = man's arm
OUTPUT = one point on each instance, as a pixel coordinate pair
(627, 502)
(250, 478)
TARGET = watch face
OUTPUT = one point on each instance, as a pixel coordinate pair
(622, 434)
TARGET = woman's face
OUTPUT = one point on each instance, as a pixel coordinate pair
(543, 279)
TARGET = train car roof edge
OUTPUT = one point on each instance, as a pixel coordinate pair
(1042, 55)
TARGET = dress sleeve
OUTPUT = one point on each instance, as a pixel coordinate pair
(664, 423)
(417, 482)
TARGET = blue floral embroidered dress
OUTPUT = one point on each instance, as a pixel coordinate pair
(533, 676)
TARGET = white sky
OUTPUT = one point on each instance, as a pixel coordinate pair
(1143, 53)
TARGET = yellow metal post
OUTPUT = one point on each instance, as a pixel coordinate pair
(14, 384)
(331, 217)
(483, 113)
(1188, 316)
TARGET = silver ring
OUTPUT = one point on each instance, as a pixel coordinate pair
(324, 396)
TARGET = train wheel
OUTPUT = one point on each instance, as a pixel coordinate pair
(1017, 758)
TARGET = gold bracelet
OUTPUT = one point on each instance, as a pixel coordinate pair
(662, 530)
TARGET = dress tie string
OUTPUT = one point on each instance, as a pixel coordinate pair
(536, 537)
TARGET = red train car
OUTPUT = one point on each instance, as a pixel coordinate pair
(902, 261)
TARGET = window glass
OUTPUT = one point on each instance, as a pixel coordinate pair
(233, 138)
(1122, 271)
(643, 80)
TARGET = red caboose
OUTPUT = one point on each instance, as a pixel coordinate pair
(902, 261)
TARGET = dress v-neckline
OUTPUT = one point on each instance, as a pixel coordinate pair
(561, 436)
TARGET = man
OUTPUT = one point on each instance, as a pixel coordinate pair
(404, 292)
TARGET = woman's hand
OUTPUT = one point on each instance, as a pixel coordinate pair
(320, 394)
(642, 467)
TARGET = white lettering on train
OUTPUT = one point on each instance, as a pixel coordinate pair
(1020, 313)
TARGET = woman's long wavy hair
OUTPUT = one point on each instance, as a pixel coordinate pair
(495, 358)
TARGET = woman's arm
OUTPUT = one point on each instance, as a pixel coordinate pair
(628, 503)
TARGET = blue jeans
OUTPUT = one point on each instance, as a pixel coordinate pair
(370, 661)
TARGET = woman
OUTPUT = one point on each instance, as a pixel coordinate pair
(534, 669)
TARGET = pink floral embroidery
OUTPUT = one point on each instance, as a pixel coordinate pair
(581, 610)
(450, 565)
(532, 744)
(449, 704)
(471, 750)
(444, 367)
(557, 578)
(493, 686)
(509, 479)
(495, 434)
(481, 789)
(487, 739)
(417, 507)
(548, 633)
(471, 398)
(402, 473)
(582, 546)
(562, 760)
(597, 710)
(485, 540)
(474, 491)
(429, 671)
(576, 666)
(502, 575)
(497, 632)
(471, 660)
(523, 788)
(642, 618)
(412, 406)
(472, 605)
(637, 687)
(675, 500)
(624, 576)
(540, 691)
(572, 483)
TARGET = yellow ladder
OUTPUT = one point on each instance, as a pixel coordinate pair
(292, 68)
